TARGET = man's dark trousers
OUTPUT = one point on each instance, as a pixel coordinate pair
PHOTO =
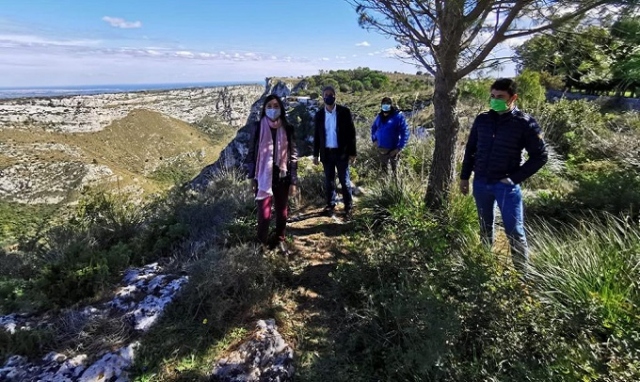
(332, 160)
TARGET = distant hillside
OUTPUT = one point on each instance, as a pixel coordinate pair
(131, 153)
(51, 148)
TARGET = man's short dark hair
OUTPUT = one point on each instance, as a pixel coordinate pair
(505, 84)
(328, 87)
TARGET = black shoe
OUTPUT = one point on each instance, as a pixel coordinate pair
(329, 211)
(348, 214)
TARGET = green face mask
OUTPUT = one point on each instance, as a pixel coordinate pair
(498, 105)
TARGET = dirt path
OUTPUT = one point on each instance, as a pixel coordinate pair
(313, 312)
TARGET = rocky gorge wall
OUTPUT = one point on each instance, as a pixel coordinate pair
(90, 113)
(52, 146)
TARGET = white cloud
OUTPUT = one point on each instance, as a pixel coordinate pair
(364, 43)
(118, 22)
(394, 53)
(31, 40)
(184, 53)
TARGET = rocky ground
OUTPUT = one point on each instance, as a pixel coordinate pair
(106, 351)
(101, 339)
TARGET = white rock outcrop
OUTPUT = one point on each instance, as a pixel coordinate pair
(141, 300)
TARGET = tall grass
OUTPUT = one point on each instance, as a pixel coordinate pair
(592, 266)
(428, 301)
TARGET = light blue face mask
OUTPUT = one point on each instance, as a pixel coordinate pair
(385, 107)
(272, 114)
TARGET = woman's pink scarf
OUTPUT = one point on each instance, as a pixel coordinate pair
(265, 159)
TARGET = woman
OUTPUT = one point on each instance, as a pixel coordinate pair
(391, 132)
(272, 165)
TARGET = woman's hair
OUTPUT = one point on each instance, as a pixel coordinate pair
(283, 111)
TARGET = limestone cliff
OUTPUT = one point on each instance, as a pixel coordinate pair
(51, 147)
(89, 113)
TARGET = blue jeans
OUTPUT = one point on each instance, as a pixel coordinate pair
(509, 201)
(331, 161)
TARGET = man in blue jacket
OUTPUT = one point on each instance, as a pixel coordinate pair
(494, 154)
(391, 132)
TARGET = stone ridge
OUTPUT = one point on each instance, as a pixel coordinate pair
(90, 113)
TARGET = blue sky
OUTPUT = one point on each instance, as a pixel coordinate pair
(86, 42)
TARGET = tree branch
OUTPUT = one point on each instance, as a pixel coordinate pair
(495, 40)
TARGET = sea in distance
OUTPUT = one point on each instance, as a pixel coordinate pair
(57, 91)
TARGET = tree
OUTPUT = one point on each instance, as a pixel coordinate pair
(530, 90)
(594, 58)
(451, 39)
(626, 69)
(582, 55)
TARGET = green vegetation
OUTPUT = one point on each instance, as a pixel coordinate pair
(597, 59)
(406, 295)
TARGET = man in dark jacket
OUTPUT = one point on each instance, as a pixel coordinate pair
(334, 145)
(494, 154)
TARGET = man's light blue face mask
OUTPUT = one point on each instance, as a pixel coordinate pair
(385, 107)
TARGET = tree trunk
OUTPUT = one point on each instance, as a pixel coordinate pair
(441, 176)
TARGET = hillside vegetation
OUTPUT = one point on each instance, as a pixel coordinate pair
(399, 293)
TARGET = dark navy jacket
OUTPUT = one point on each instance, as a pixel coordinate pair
(494, 148)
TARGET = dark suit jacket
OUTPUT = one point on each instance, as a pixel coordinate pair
(346, 132)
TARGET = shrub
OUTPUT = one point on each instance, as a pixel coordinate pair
(30, 343)
(531, 93)
(574, 128)
(226, 283)
(605, 186)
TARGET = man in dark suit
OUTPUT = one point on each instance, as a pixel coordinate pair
(334, 145)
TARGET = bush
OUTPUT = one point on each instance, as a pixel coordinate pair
(605, 186)
(30, 343)
(226, 283)
(589, 273)
(574, 128)
(531, 93)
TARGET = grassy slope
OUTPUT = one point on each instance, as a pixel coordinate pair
(129, 146)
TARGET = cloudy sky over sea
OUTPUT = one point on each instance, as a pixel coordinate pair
(86, 42)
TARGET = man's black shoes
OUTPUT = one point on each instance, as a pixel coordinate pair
(329, 211)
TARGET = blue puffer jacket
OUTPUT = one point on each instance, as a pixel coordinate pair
(391, 132)
(494, 148)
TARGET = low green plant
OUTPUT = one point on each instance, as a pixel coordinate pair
(589, 273)
(531, 93)
(226, 286)
(606, 186)
(28, 343)
(574, 128)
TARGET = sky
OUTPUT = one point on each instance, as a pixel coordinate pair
(90, 42)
